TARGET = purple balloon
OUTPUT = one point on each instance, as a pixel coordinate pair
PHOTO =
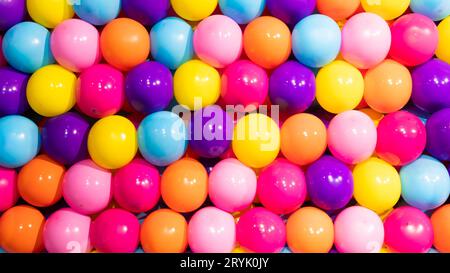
(292, 86)
(13, 87)
(438, 134)
(11, 12)
(291, 11)
(64, 138)
(431, 86)
(147, 12)
(149, 87)
(330, 183)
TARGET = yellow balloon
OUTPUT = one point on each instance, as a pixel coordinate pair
(51, 90)
(49, 13)
(443, 50)
(377, 185)
(339, 87)
(256, 140)
(374, 115)
(112, 142)
(239, 249)
(387, 9)
(196, 85)
(194, 10)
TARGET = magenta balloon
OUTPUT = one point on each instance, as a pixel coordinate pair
(8, 188)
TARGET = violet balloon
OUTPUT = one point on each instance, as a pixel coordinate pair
(291, 11)
(11, 12)
(147, 12)
(13, 86)
(438, 134)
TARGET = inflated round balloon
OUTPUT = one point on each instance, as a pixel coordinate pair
(67, 231)
(401, 138)
(87, 187)
(125, 43)
(242, 11)
(442, 51)
(21, 230)
(262, 36)
(260, 230)
(316, 40)
(211, 230)
(408, 230)
(172, 42)
(164, 231)
(26, 47)
(11, 12)
(291, 11)
(330, 183)
(8, 188)
(146, 12)
(339, 87)
(136, 187)
(149, 87)
(49, 13)
(441, 228)
(115, 231)
(2, 58)
(377, 185)
(98, 12)
(338, 10)
(20, 141)
(256, 140)
(438, 134)
(358, 230)
(162, 138)
(218, 41)
(194, 10)
(13, 99)
(436, 10)
(387, 87)
(373, 115)
(387, 9)
(414, 39)
(184, 185)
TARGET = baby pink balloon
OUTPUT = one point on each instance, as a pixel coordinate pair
(8, 188)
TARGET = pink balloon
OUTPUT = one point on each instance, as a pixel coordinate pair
(366, 40)
(358, 230)
(67, 231)
(218, 41)
(75, 45)
(87, 187)
(8, 188)
(211, 230)
(2, 58)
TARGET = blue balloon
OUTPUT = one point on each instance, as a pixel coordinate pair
(162, 138)
(97, 12)
(425, 183)
(20, 141)
(242, 11)
(316, 40)
(26, 47)
(436, 10)
(171, 42)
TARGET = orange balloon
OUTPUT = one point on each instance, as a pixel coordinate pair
(310, 230)
(164, 231)
(387, 87)
(338, 9)
(184, 185)
(303, 138)
(373, 115)
(125, 43)
(267, 41)
(440, 219)
(21, 230)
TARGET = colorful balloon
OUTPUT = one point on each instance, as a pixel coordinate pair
(444, 40)
(387, 9)
(98, 12)
(146, 12)
(194, 10)
(242, 11)
(2, 58)
(338, 10)
(49, 13)
(8, 188)
(441, 228)
(436, 10)
(438, 134)
(13, 84)
(12, 12)
(291, 11)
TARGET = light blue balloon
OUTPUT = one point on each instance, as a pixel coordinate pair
(162, 138)
(425, 183)
(20, 141)
(97, 12)
(171, 42)
(26, 47)
(316, 40)
(242, 11)
(436, 10)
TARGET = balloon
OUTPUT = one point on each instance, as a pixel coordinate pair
(2, 58)
(339, 87)
(97, 12)
(149, 87)
(146, 12)
(184, 185)
(401, 138)
(87, 187)
(21, 230)
(13, 84)
(262, 36)
(330, 183)
(211, 230)
(408, 230)
(162, 138)
(373, 115)
(441, 228)
(377, 185)
(49, 13)
(218, 41)
(115, 231)
(8, 188)
(125, 43)
(336, 9)
(232, 185)
(194, 10)
(387, 9)
(262, 231)
(316, 40)
(444, 40)
(291, 11)
(67, 231)
(414, 39)
(26, 47)
(438, 134)
(242, 11)
(172, 42)
(12, 12)
(256, 140)
(358, 230)
(387, 86)
(436, 10)
(20, 141)
(164, 231)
